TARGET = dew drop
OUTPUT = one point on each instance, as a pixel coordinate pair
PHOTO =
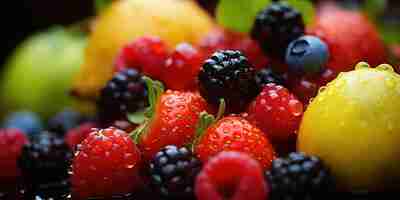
(385, 67)
(362, 65)
(295, 107)
(263, 101)
(321, 89)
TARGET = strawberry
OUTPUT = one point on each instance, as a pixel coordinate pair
(232, 133)
(182, 67)
(350, 37)
(171, 119)
(106, 164)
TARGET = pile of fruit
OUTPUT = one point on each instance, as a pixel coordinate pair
(283, 100)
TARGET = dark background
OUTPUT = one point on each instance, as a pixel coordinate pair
(20, 18)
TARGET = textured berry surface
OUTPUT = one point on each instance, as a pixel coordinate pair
(299, 177)
(64, 121)
(125, 92)
(27, 122)
(106, 164)
(266, 76)
(174, 121)
(277, 112)
(182, 67)
(76, 135)
(145, 54)
(228, 75)
(45, 159)
(275, 27)
(11, 143)
(235, 134)
(307, 54)
(356, 34)
(173, 171)
(231, 176)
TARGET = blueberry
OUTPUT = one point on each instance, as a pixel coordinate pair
(307, 54)
(28, 122)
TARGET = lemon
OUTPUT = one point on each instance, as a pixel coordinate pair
(353, 125)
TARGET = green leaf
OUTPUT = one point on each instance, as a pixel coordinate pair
(239, 15)
(137, 117)
(101, 4)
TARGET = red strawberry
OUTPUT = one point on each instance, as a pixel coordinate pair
(231, 176)
(76, 135)
(350, 36)
(146, 54)
(11, 143)
(182, 67)
(234, 133)
(106, 164)
(173, 116)
(277, 112)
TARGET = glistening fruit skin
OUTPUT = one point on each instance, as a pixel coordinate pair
(231, 175)
(349, 41)
(352, 125)
(106, 164)
(174, 22)
(235, 134)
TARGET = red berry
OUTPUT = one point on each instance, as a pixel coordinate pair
(11, 143)
(146, 54)
(277, 112)
(305, 88)
(106, 163)
(231, 176)
(235, 133)
(182, 67)
(76, 135)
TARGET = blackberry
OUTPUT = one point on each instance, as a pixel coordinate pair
(275, 27)
(45, 163)
(299, 177)
(266, 76)
(229, 75)
(65, 120)
(173, 171)
(125, 92)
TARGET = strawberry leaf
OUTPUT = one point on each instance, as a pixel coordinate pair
(137, 117)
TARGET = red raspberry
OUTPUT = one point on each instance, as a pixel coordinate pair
(76, 135)
(277, 112)
(106, 164)
(146, 54)
(231, 176)
(11, 143)
(182, 67)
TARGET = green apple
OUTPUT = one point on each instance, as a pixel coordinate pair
(353, 126)
(39, 73)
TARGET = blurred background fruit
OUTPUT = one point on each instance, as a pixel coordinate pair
(38, 75)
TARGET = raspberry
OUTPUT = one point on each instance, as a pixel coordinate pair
(106, 164)
(45, 162)
(277, 112)
(65, 120)
(173, 171)
(231, 175)
(266, 76)
(146, 54)
(182, 67)
(27, 122)
(11, 143)
(299, 177)
(229, 75)
(275, 27)
(125, 92)
(76, 135)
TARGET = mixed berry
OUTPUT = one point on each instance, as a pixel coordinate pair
(226, 118)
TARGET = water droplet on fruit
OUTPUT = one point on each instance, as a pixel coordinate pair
(321, 89)
(385, 67)
(129, 166)
(362, 65)
(295, 107)
(263, 101)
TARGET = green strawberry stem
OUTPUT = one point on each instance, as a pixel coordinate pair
(154, 90)
(101, 4)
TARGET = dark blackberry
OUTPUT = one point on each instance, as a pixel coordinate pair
(45, 163)
(229, 75)
(299, 177)
(173, 171)
(65, 120)
(126, 92)
(275, 27)
(266, 76)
